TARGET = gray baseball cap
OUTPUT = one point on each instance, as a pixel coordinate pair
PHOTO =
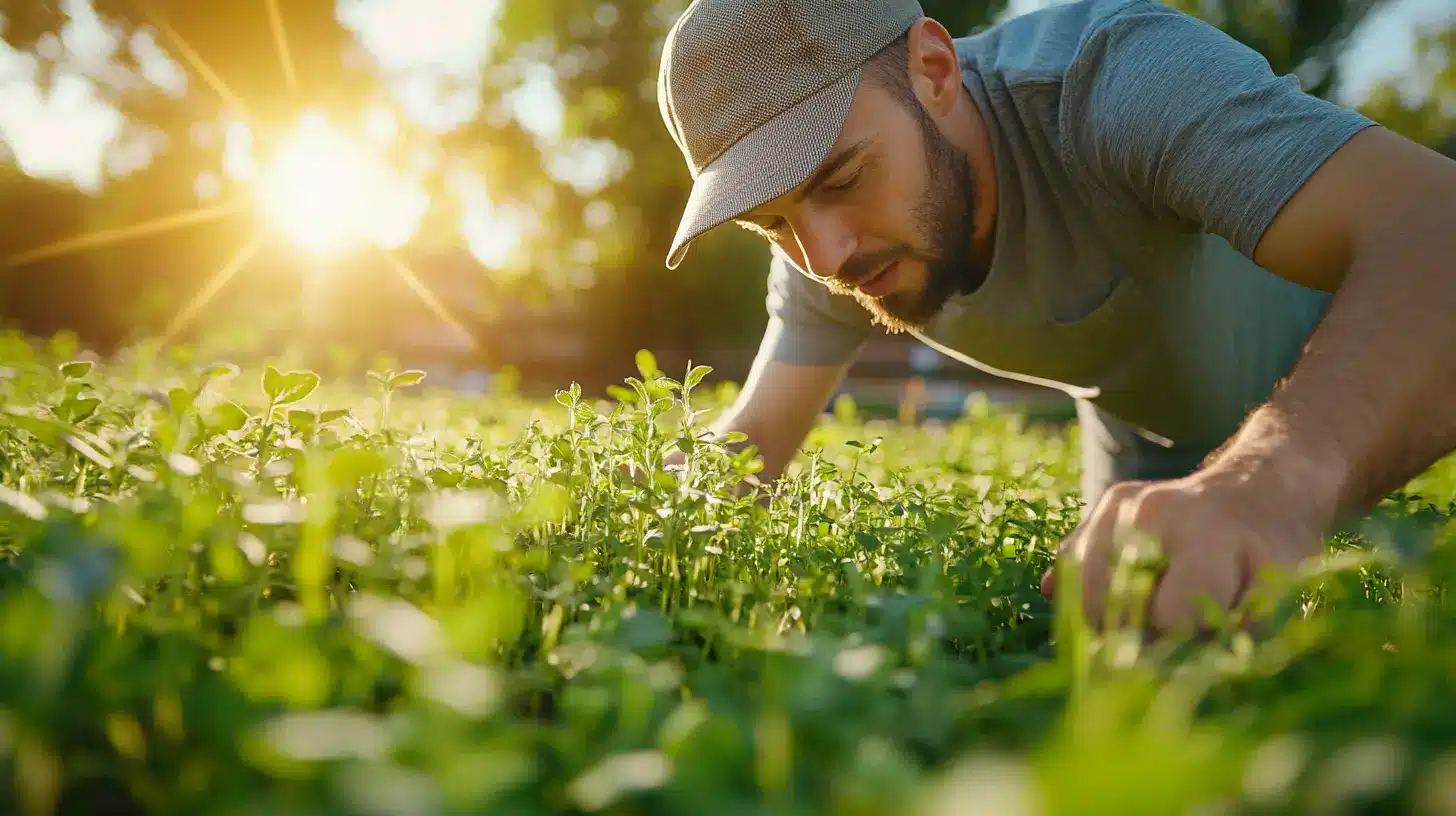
(755, 92)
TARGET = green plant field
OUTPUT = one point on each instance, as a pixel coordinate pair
(248, 592)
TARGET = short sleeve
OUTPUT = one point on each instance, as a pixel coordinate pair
(809, 324)
(1193, 125)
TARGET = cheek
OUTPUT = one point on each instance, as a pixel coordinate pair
(899, 199)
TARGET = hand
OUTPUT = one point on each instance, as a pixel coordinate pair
(674, 459)
(672, 462)
(1217, 532)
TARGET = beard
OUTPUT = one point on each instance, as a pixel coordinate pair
(944, 223)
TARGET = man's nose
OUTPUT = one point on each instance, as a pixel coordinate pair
(825, 243)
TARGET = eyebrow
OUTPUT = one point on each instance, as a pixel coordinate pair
(827, 168)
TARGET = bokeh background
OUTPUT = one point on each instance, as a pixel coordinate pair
(539, 189)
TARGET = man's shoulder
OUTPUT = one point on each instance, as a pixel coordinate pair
(1041, 46)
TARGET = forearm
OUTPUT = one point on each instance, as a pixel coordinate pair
(778, 407)
(1370, 404)
(773, 449)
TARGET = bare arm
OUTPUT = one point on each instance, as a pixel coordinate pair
(1367, 407)
(778, 407)
(1370, 404)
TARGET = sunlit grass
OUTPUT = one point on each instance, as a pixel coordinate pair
(228, 591)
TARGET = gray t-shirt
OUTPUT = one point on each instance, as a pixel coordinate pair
(1140, 154)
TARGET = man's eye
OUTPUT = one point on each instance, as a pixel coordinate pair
(844, 185)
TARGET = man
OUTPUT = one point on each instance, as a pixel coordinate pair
(1248, 290)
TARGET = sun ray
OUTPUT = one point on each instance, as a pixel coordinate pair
(199, 64)
(214, 284)
(280, 42)
(432, 301)
(81, 243)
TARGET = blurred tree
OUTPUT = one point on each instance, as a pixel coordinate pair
(1430, 118)
(259, 62)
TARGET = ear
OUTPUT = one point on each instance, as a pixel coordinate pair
(935, 68)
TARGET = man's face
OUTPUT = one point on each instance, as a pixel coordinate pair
(887, 217)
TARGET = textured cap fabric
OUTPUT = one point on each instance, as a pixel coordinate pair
(754, 93)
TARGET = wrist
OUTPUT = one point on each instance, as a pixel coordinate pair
(1285, 465)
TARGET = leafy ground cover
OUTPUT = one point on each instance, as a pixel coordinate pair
(245, 591)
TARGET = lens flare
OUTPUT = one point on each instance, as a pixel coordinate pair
(327, 193)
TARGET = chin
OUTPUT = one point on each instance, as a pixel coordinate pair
(897, 312)
(905, 310)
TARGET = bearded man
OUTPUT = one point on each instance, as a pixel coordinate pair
(1248, 290)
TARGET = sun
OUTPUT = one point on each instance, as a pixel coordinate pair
(323, 190)
(328, 193)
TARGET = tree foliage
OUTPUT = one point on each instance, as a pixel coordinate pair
(1429, 118)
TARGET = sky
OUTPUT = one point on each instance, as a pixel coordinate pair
(70, 134)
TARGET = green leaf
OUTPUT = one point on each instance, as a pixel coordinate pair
(444, 478)
(228, 416)
(405, 379)
(43, 427)
(284, 389)
(76, 369)
(273, 382)
(647, 364)
(86, 449)
(218, 371)
(76, 409)
(696, 375)
(180, 400)
(301, 421)
(23, 503)
(329, 416)
(643, 628)
(349, 465)
(943, 525)
(621, 394)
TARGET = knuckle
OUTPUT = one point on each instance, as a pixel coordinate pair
(1153, 505)
(1113, 502)
(1121, 493)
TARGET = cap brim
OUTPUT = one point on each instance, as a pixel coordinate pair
(765, 164)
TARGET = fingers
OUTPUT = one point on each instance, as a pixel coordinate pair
(1127, 533)
(1091, 547)
(1171, 552)
(1179, 600)
(1075, 541)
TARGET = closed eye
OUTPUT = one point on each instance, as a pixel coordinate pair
(842, 186)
